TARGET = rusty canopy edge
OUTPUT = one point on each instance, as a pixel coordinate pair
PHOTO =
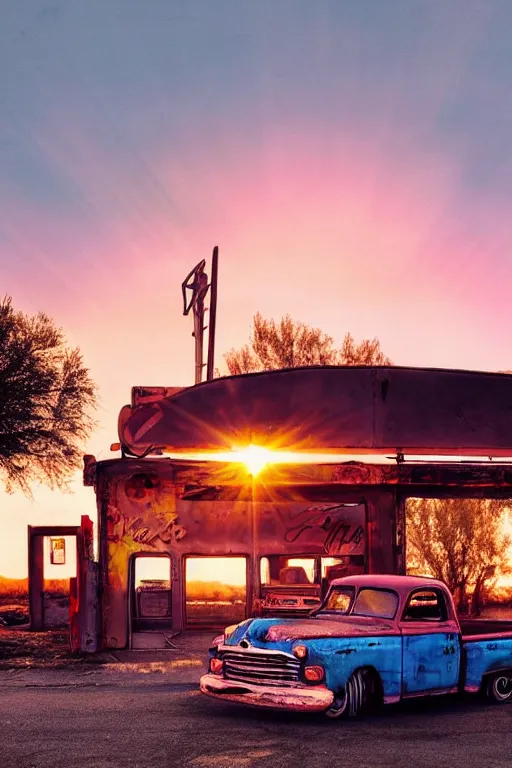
(347, 409)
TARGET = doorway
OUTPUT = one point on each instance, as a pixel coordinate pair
(54, 559)
(60, 565)
(151, 601)
(215, 591)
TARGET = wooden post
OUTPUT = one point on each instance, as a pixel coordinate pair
(87, 587)
(213, 315)
(198, 335)
(74, 615)
(35, 579)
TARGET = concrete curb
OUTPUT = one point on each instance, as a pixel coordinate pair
(175, 687)
(174, 672)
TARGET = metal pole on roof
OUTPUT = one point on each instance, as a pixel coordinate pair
(213, 315)
(197, 283)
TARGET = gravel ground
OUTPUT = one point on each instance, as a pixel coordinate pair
(132, 719)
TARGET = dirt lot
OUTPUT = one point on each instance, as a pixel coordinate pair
(14, 609)
(150, 720)
(22, 648)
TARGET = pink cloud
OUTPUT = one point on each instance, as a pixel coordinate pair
(326, 225)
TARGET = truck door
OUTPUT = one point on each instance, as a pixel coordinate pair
(431, 645)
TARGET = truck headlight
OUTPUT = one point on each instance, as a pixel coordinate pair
(216, 666)
(314, 674)
(300, 651)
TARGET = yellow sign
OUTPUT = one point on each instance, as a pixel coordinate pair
(58, 551)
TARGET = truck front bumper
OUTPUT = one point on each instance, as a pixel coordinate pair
(299, 699)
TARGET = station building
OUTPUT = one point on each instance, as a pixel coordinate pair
(245, 495)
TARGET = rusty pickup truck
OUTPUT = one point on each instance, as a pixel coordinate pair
(374, 639)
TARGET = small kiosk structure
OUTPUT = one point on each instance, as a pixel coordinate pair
(192, 536)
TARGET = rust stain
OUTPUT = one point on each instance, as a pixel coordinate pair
(229, 759)
(307, 629)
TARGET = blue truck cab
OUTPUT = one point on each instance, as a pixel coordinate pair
(375, 639)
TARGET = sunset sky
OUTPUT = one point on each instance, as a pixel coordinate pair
(352, 159)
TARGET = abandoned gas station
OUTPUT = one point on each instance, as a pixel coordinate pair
(191, 535)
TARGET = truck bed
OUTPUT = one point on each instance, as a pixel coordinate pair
(474, 628)
(487, 646)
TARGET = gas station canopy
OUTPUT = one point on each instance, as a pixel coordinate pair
(374, 410)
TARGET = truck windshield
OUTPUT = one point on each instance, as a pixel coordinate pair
(380, 603)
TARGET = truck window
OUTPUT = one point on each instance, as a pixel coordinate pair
(339, 600)
(425, 605)
(381, 603)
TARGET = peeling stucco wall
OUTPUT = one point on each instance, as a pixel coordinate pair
(145, 512)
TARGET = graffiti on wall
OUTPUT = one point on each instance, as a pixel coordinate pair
(144, 515)
(340, 534)
(144, 531)
(147, 510)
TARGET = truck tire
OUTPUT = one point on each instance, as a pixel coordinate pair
(499, 688)
(358, 696)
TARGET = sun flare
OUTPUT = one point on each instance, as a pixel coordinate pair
(255, 458)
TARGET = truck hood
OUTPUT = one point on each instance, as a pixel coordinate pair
(283, 630)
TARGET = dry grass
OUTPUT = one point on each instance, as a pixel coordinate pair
(19, 587)
(215, 614)
(502, 595)
(498, 611)
(214, 590)
(13, 587)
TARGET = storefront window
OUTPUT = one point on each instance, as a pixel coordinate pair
(279, 570)
(215, 590)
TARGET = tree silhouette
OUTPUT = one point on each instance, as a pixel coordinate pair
(46, 398)
(461, 542)
(291, 344)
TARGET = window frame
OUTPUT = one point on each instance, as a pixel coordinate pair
(317, 567)
(441, 600)
(331, 612)
(193, 555)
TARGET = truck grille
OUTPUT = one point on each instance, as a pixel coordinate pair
(261, 668)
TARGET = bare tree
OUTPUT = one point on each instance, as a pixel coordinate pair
(367, 352)
(291, 344)
(46, 399)
(461, 542)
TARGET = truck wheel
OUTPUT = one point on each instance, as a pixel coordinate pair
(499, 688)
(359, 693)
